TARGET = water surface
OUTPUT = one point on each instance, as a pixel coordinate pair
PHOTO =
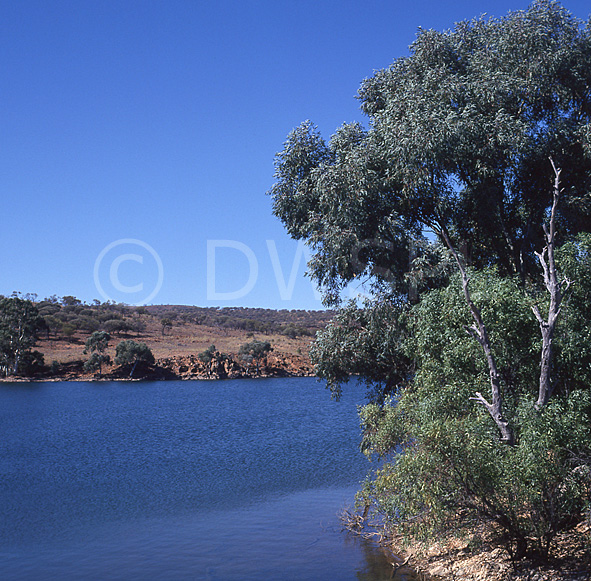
(229, 480)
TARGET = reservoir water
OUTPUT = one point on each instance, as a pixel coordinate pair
(218, 480)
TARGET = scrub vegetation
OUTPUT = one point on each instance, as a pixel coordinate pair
(78, 340)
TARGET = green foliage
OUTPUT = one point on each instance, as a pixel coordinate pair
(19, 323)
(324, 194)
(293, 331)
(574, 342)
(448, 471)
(98, 341)
(85, 323)
(446, 467)
(459, 139)
(118, 326)
(255, 351)
(96, 361)
(256, 348)
(442, 349)
(166, 324)
(69, 315)
(251, 320)
(131, 353)
(67, 330)
(96, 344)
(367, 342)
(31, 363)
(70, 301)
(207, 355)
(50, 324)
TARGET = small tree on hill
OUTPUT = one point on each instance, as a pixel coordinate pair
(131, 353)
(70, 301)
(118, 326)
(96, 344)
(67, 330)
(96, 361)
(166, 325)
(207, 355)
(255, 351)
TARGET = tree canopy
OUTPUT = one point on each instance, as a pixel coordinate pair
(19, 325)
(255, 350)
(465, 209)
(130, 352)
(96, 345)
(98, 341)
(460, 132)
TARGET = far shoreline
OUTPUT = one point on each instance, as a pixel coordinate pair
(180, 368)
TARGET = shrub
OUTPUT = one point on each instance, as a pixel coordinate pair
(445, 467)
(130, 353)
(207, 355)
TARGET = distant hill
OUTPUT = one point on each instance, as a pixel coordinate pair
(174, 333)
(286, 322)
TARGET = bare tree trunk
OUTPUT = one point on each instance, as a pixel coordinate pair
(554, 287)
(547, 327)
(479, 332)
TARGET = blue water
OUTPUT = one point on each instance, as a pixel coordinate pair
(229, 480)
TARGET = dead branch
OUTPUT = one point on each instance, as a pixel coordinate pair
(555, 288)
(479, 332)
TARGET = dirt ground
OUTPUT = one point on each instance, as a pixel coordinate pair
(182, 340)
(486, 560)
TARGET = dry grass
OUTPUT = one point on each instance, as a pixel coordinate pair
(182, 340)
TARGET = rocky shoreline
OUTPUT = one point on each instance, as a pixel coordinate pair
(274, 365)
(481, 557)
(184, 367)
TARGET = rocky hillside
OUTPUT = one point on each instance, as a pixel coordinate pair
(178, 336)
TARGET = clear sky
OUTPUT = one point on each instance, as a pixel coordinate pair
(138, 137)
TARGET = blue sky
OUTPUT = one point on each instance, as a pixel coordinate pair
(138, 137)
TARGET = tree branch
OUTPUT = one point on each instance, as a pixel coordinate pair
(554, 287)
(479, 332)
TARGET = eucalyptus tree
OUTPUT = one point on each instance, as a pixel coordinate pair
(481, 138)
(166, 324)
(98, 341)
(460, 132)
(96, 345)
(131, 353)
(459, 141)
(19, 324)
